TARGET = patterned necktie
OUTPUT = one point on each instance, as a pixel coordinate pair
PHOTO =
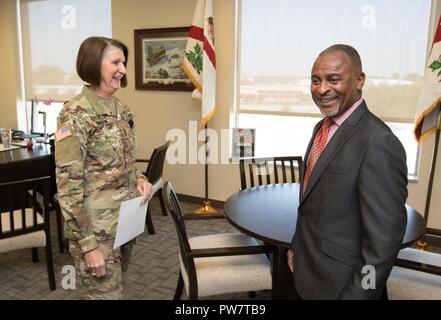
(316, 150)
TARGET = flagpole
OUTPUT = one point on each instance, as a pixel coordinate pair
(433, 167)
(206, 206)
(422, 245)
(200, 66)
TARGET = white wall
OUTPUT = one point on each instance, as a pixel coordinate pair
(9, 64)
(159, 111)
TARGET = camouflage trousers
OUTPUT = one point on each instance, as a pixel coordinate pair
(108, 287)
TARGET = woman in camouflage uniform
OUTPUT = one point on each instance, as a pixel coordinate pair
(95, 167)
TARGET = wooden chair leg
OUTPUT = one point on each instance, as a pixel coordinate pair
(179, 287)
(161, 201)
(35, 255)
(66, 243)
(149, 222)
(59, 229)
(275, 265)
(50, 267)
(193, 294)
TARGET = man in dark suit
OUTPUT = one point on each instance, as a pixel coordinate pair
(352, 216)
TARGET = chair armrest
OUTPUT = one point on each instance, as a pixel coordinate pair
(203, 216)
(418, 266)
(142, 160)
(231, 251)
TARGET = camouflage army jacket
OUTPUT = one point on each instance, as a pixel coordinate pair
(95, 166)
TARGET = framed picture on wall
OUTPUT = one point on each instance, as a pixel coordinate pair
(159, 55)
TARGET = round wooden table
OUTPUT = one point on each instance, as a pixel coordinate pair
(269, 213)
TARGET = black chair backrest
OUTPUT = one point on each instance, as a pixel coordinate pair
(156, 163)
(19, 198)
(172, 203)
(263, 171)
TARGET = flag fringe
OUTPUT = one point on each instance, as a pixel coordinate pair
(207, 117)
(421, 118)
(426, 134)
(192, 78)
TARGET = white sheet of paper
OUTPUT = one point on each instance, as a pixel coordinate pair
(155, 187)
(131, 221)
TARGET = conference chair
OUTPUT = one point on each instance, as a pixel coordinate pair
(54, 205)
(26, 227)
(263, 171)
(62, 243)
(218, 263)
(416, 275)
(153, 173)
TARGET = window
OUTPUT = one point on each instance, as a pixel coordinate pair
(279, 40)
(36, 110)
(52, 31)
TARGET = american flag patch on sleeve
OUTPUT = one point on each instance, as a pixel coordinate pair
(63, 133)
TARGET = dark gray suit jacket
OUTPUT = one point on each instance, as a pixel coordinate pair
(353, 211)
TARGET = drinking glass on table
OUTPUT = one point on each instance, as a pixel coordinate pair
(6, 137)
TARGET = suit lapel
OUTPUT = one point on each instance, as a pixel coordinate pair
(338, 140)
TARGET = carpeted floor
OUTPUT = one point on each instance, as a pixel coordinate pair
(154, 268)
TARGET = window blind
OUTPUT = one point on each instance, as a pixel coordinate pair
(280, 39)
(52, 31)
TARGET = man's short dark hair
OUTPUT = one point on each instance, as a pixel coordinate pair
(349, 51)
(90, 55)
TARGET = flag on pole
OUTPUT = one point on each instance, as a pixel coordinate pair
(200, 58)
(428, 107)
